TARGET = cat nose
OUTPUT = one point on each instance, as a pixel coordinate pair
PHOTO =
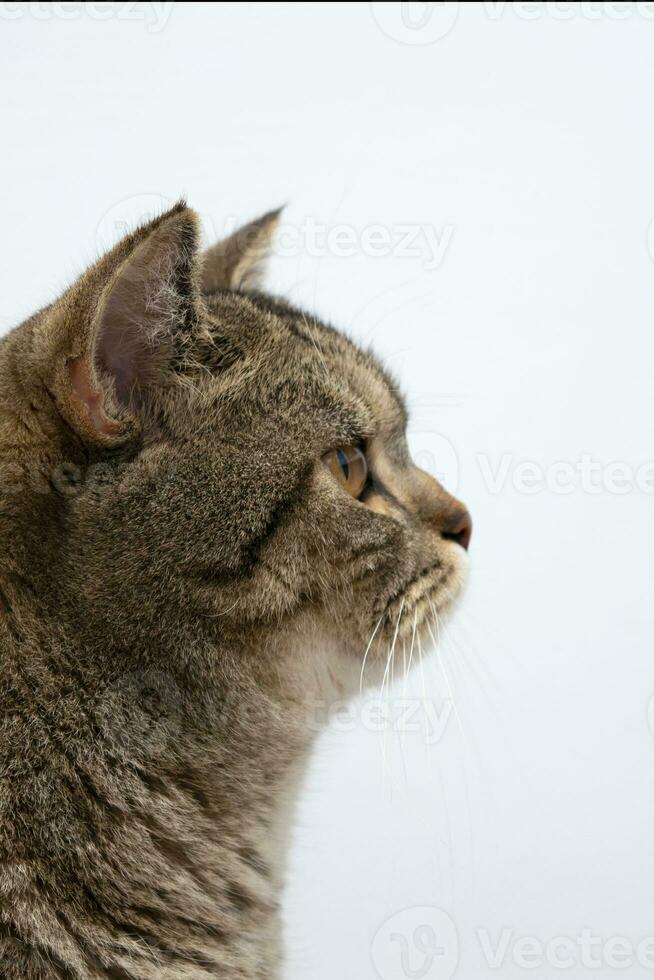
(459, 528)
(443, 512)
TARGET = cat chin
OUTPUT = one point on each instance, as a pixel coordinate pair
(328, 655)
(410, 626)
(428, 597)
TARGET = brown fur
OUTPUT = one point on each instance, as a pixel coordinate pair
(182, 580)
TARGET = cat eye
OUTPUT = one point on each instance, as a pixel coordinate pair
(348, 464)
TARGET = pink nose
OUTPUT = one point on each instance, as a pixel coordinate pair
(459, 529)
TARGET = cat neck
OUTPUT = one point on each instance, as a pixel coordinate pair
(182, 801)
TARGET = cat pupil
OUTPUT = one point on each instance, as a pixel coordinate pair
(342, 458)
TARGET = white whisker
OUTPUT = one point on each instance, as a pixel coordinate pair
(421, 662)
(405, 669)
(391, 657)
(365, 656)
(413, 639)
(436, 643)
(391, 651)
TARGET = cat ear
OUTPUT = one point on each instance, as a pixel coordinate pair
(115, 332)
(239, 262)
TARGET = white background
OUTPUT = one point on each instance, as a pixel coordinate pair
(523, 139)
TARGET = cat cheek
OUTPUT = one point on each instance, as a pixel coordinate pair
(381, 505)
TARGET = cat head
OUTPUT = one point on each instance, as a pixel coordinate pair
(185, 458)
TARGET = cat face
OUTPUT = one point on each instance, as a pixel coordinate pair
(237, 465)
(355, 532)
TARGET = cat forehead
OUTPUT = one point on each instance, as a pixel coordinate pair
(289, 344)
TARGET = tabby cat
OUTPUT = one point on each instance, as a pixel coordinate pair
(208, 519)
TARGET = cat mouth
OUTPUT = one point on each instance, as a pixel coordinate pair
(423, 599)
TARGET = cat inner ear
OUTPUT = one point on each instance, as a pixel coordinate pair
(239, 261)
(135, 307)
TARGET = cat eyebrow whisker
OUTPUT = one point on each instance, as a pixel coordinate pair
(315, 343)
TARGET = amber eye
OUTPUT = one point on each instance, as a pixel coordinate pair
(349, 466)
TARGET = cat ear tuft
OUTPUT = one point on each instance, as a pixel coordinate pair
(115, 332)
(239, 261)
